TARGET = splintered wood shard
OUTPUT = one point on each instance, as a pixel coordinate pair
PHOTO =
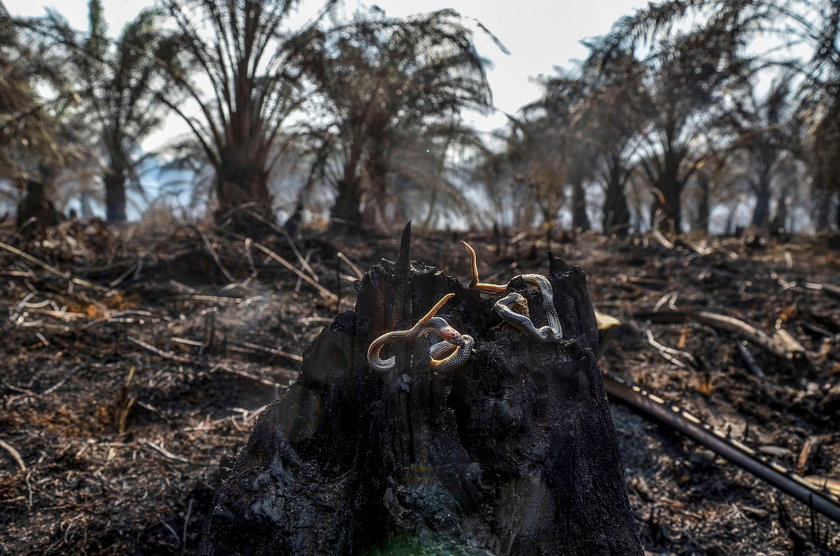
(513, 452)
(403, 261)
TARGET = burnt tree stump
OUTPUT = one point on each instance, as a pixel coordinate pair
(512, 453)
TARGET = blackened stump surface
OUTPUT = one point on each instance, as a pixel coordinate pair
(513, 453)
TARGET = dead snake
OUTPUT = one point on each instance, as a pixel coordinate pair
(454, 346)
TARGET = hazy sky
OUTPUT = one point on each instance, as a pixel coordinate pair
(539, 34)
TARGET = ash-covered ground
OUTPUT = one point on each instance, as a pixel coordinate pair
(136, 360)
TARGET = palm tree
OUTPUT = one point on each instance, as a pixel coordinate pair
(245, 82)
(614, 115)
(686, 88)
(501, 173)
(825, 159)
(392, 92)
(812, 24)
(120, 82)
(769, 130)
(559, 146)
(26, 129)
(36, 138)
(720, 180)
(540, 173)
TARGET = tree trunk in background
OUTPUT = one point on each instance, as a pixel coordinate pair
(761, 213)
(580, 220)
(704, 202)
(837, 213)
(780, 221)
(729, 226)
(671, 187)
(822, 209)
(242, 189)
(512, 453)
(825, 166)
(673, 210)
(616, 218)
(376, 169)
(84, 205)
(346, 212)
(114, 197)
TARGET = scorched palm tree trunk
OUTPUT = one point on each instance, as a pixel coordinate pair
(242, 187)
(616, 217)
(114, 197)
(346, 213)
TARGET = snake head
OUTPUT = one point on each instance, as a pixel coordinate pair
(440, 328)
(518, 304)
(452, 336)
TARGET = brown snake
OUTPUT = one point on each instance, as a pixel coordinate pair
(454, 346)
(513, 308)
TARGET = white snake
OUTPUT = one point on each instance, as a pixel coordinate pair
(458, 346)
(455, 349)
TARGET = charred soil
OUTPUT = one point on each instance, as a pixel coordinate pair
(135, 362)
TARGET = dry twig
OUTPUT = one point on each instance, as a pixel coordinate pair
(675, 356)
(215, 257)
(359, 274)
(157, 351)
(249, 376)
(14, 453)
(828, 289)
(749, 361)
(282, 231)
(809, 448)
(66, 276)
(781, 343)
(325, 293)
(164, 452)
(661, 239)
(306, 260)
(827, 484)
(272, 351)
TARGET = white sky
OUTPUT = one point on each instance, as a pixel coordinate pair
(539, 34)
